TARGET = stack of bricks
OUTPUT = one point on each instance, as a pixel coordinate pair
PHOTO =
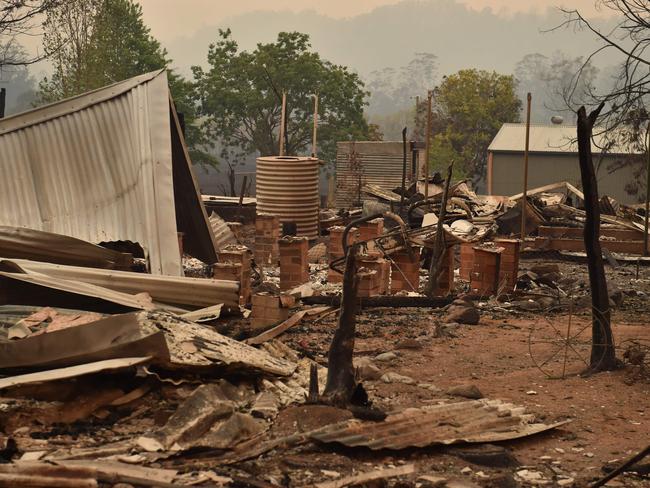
(466, 260)
(335, 250)
(369, 283)
(382, 268)
(267, 233)
(236, 228)
(371, 230)
(294, 262)
(235, 265)
(446, 278)
(509, 268)
(407, 277)
(485, 274)
(269, 309)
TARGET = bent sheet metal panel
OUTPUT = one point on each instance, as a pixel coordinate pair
(20, 242)
(198, 292)
(468, 421)
(97, 167)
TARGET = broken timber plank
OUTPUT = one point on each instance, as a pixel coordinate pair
(287, 324)
(549, 188)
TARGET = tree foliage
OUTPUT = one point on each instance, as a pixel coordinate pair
(394, 89)
(240, 96)
(469, 108)
(94, 43)
(20, 17)
(393, 93)
(67, 42)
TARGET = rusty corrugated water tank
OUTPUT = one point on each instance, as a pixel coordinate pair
(287, 186)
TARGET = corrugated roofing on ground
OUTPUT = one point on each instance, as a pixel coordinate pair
(108, 165)
(449, 423)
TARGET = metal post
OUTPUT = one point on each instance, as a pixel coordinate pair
(3, 98)
(417, 117)
(313, 145)
(647, 194)
(524, 201)
(427, 146)
(283, 122)
(241, 197)
(401, 200)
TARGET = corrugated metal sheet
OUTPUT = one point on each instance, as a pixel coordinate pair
(450, 423)
(550, 139)
(99, 167)
(368, 163)
(19, 242)
(185, 291)
(222, 233)
(287, 186)
(39, 293)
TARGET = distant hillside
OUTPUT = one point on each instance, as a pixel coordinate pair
(388, 36)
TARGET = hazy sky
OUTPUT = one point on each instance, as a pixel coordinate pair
(169, 19)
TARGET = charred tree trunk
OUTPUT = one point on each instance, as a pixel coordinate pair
(603, 354)
(340, 374)
(439, 247)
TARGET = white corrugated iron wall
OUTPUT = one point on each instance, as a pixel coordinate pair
(98, 171)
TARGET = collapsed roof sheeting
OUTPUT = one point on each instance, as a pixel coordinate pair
(20, 242)
(451, 423)
(108, 165)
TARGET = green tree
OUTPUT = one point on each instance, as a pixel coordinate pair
(94, 43)
(469, 108)
(240, 96)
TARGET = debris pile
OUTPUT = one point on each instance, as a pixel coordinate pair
(143, 343)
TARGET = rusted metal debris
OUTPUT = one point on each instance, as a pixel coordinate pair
(450, 423)
(23, 243)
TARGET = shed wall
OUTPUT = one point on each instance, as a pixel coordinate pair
(377, 163)
(544, 169)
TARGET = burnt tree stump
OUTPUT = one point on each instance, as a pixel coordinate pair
(603, 353)
(341, 382)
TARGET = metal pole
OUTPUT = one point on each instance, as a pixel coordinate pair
(282, 122)
(313, 146)
(524, 200)
(401, 200)
(427, 147)
(647, 194)
(241, 197)
(3, 97)
(417, 117)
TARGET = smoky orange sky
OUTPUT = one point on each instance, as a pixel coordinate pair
(173, 18)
